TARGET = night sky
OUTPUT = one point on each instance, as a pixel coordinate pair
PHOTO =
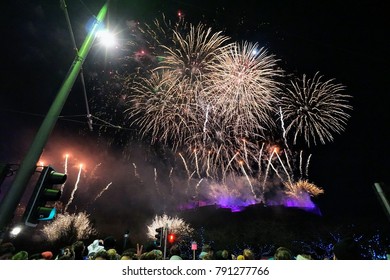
(344, 40)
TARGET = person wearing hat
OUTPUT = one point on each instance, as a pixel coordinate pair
(95, 247)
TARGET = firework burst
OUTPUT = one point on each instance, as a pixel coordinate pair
(166, 102)
(235, 108)
(161, 109)
(175, 225)
(197, 110)
(213, 105)
(242, 87)
(302, 186)
(315, 109)
(69, 226)
(193, 53)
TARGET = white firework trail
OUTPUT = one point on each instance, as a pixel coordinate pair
(205, 125)
(136, 173)
(301, 163)
(74, 189)
(276, 172)
(249, 181)
(307, 166)
(170, 179)
(94, 170)
(288, 160)
(66, 163)
(259, 160)
(103, 190)
(267, 169)
(156, 181)
(284, 138)
(246, 155)
(283, 128)
(65, 171)
(197, 186)
(196, 163)
(228, 165)
(185, 164)
(208, 164)
(192, 175)
(284, 168)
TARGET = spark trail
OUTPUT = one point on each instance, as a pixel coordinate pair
(106, 188)
(136, 173)
(205, 125)
(93, 173)
(267, 169)
(307, 165)
(74, 189)
(185, 164)
(65, 171)
(170, 180)
(247, 178)
(284, 168)
(156, 181)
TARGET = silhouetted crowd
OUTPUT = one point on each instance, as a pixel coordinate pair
(106, 249)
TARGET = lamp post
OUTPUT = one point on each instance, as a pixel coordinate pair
(28, 165)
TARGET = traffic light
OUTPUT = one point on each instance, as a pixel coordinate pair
(159, 236)
(44, 191)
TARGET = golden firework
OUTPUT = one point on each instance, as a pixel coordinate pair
(296, 188)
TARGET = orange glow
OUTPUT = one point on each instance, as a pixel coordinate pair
(274, 149)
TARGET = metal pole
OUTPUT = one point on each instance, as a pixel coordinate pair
(383, 199)
(165, 241)
(27, 168)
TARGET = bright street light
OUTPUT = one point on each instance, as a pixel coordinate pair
(15, 231)
(106, 38)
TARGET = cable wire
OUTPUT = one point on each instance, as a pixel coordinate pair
(89, 116)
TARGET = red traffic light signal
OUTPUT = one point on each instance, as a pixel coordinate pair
(44, 191)
(171, 238)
